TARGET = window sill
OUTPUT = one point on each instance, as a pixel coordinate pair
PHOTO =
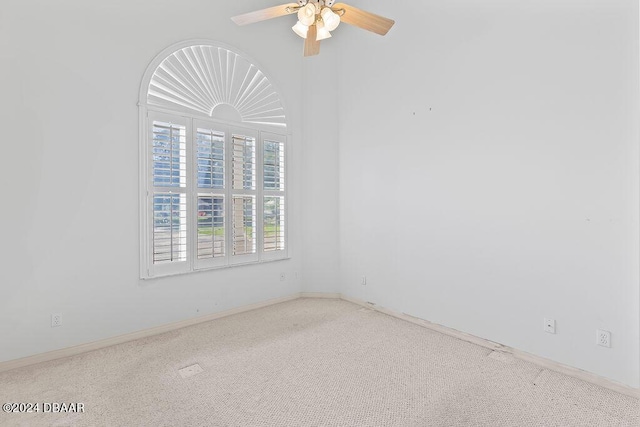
(220, 267)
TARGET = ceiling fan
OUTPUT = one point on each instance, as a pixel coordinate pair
(317, 18)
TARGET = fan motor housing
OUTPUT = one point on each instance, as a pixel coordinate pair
(327, 3)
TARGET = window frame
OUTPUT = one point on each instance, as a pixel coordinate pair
(192, 123)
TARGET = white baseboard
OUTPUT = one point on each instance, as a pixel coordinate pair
(96, 345)
(537, 360)
(575, 373)
(326, 295)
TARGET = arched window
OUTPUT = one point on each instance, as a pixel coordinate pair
(213, 162)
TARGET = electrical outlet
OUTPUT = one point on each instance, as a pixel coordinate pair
(283, 277)
(603, 338)
(550, 326)
(56, 320)
(363, 281)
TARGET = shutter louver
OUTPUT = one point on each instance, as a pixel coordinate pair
(273, 165)
(210, 217)
(244, 225)
(211, 241)
(210, 159)
(244, 163)
(274, 220)
(243, 191)
(169, 227)
(169, 199)
(169, 155)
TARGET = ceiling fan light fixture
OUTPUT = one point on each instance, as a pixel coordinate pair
(307, 14)
(301, 29)
(323, 33)
(317, 19)
(330, 18)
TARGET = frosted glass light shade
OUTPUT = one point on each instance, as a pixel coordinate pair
(330, 18)
(307, 14)
(300, 29)
(323, 33)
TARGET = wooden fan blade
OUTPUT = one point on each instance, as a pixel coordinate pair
(311, 45)
(363, 19)
(264, 14)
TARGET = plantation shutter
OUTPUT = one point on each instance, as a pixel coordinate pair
(274, 197)
(215, 195)
(211, 247)
(244, 198)
(168, 195)
(212, 181)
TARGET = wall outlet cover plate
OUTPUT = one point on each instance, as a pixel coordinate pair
(550, 326)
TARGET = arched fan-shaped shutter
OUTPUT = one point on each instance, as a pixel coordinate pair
(210, 79)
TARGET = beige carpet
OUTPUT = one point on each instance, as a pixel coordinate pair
(309, 362)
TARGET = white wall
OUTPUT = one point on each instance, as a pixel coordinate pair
(69, 78)
(489, 172)
(321, 257)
